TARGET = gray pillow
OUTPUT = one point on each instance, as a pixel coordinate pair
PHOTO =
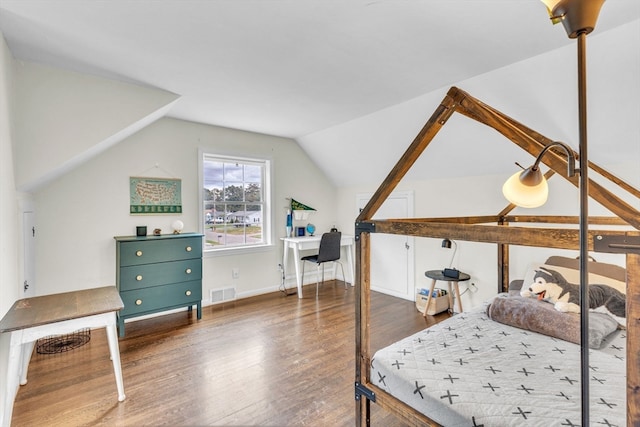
(542, 317)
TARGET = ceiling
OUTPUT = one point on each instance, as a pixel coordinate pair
(287, 67)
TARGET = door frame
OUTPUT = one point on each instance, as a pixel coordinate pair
(26, 249)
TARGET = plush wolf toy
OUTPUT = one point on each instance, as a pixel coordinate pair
(551, 286)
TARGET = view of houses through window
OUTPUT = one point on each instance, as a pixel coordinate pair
(234, 201)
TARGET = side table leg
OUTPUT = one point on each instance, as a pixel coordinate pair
(458, 296)
(450, 296)
(433, 286)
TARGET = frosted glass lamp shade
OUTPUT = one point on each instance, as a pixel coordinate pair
(177, 226)
(528, 188)
(525, 196)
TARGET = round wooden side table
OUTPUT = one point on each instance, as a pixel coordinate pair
(436, 275)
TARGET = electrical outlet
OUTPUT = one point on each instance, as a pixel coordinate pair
(235, 272)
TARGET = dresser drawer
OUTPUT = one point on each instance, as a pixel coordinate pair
(166, 296)
(138, 252)
(143, 276)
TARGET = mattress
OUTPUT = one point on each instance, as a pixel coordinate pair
(471, 371)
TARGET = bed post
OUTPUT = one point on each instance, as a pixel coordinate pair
(633, 336)
(628, 244)
(363, 316)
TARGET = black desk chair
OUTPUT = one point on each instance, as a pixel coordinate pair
(329, 251)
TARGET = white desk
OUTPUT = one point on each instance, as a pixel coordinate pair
(32, 318)
(297, 244)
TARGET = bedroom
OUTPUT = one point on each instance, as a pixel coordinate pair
(389, 130)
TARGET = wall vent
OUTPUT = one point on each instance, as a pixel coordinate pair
(222, 295)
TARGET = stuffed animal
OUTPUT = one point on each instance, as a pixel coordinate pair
(549, 285)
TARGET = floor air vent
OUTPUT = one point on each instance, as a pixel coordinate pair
(222, 295)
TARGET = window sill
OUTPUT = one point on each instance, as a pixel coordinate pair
(212, 253)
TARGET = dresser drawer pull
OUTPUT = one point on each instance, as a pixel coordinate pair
(139, 277)
(138, 253)
(188, 248)
(138, 302)
(188, 271)
(188, 293)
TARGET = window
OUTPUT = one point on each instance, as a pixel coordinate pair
(235, 202)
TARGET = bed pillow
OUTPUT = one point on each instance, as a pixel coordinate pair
(573, 276)
(542, 317)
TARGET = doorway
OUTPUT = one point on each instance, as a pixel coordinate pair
(392, 256)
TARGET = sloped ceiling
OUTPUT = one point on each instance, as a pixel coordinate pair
(540, 92)
(303, 69)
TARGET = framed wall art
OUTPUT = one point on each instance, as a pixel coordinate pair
(153, 196)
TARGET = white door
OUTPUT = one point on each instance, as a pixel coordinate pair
(392, 259)
(28, 284)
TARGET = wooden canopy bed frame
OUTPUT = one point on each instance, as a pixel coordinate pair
(500, 230)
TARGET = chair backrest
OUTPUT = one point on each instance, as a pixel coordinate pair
(329, 247)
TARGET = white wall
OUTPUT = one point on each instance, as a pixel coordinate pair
(9, 283)
(8, 196)
(80, 212)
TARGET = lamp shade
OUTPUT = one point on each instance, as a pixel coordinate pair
(577, 16)
(177, 226)
(523, 195)
(551, 4)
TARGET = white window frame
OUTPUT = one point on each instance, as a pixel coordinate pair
(267, 214)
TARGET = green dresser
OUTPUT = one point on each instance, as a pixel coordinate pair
(158, 273)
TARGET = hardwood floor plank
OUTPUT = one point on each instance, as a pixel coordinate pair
(270, 360)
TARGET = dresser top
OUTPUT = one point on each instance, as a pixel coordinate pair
(162, 236)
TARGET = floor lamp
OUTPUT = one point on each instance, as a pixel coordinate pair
(579, 19)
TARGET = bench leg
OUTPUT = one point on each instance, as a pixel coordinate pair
(114, 350)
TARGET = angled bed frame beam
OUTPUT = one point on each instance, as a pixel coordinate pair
(529, 140)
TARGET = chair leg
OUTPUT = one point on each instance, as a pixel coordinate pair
(344, 278)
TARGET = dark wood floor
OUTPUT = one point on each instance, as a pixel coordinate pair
(270, 360)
